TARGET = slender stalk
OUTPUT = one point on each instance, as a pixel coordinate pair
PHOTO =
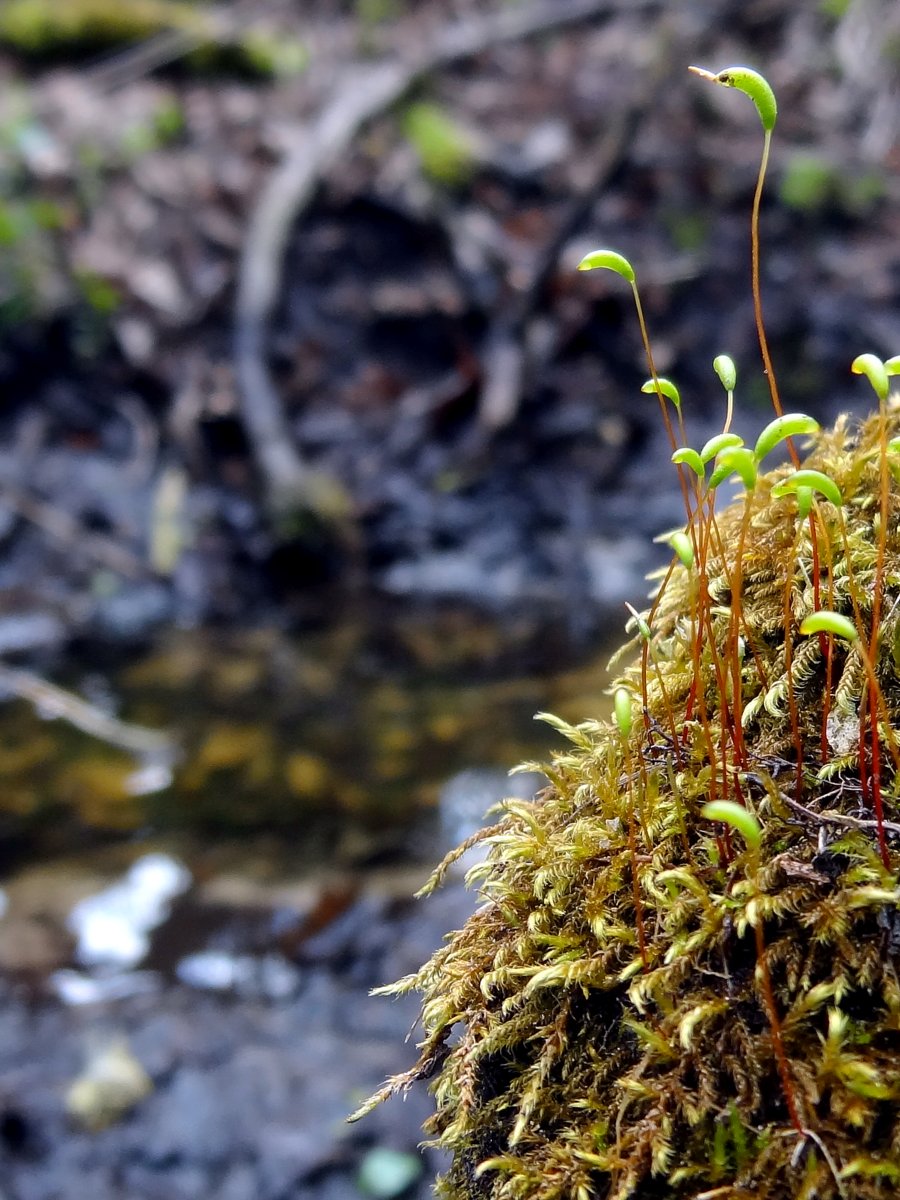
(829, 648)
(635, 881)
(878, 592)
(788, 615)
(757, 293)
(875, 779)
(775, 1025)
(667, 420)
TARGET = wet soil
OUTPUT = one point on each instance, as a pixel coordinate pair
(249, 1086)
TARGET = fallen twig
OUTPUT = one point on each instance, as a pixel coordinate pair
(832, 818)
(55, 702)
(71, 532)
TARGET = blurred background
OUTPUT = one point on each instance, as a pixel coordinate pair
(321, 472)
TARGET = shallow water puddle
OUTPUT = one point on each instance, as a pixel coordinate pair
(298, 768)
(345, 735)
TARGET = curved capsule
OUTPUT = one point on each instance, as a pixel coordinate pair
(715, 445)
(666, 386)
(735, 460)
(752, 84)
(789, 425)
(804, 502)
(824, 621)
(609, 259)
(816, 480)
(875, 371)
(737, 817)
(690, 458)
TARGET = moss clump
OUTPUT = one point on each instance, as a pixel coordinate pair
(602, 1026)
(40, 26)
(55, 28)
(647, 1006)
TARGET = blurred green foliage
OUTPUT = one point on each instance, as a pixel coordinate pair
(37, 280)
(60, 27)
(444, 150)
(374, 12)
(811, 183)
(42, 26)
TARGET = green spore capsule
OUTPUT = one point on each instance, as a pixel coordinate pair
(639, 622)
(622, 710)
(689, 458)
(875, 371)
(735, 460)
(726, 370)
(752, 84)
(737, 817)
(790, 425)
(681, 544)
(824, 621)
(818, 481)
(715, 445)
(610, 260)
(654, 386)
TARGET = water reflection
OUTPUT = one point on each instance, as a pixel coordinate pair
(340, 744)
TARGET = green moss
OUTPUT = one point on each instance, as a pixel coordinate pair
(46, 28)
(40, 26)
(648, 1005)
(566, 1028)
